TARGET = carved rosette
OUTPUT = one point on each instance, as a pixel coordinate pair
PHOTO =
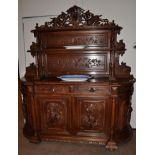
(77, 17)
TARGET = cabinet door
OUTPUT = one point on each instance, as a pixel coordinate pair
(91, 114)
(54, 114)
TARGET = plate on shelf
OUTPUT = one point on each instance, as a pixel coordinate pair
(75, 47)
(74, 78)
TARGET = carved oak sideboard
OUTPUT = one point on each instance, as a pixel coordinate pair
(95, 111)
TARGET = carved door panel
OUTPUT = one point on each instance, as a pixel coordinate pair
(92, 114)
(54, 114)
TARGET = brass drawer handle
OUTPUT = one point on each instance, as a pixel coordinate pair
(92, 89)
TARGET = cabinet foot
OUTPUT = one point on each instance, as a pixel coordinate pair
(32, 136)
(34, 140)
(111, 146)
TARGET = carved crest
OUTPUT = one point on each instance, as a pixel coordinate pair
(77, 17)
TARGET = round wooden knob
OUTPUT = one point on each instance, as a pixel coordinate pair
(92, 89)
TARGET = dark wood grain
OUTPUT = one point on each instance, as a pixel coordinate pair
(95, 111)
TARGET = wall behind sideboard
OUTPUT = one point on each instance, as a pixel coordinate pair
(39, 11)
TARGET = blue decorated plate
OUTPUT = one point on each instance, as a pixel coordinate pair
(76, 78)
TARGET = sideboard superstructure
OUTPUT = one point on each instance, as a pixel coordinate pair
(96, 111)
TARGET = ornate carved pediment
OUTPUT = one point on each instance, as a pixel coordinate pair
(77, 17)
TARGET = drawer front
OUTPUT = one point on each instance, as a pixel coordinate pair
(72, 89)
(52, 89)
(88, 89)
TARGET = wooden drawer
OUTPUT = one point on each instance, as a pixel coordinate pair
(72, 88)
(52, 89)
(88, 89)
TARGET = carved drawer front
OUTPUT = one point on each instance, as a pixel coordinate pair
(52, 89)
(92, 114)
(54, 114)
(91, 89)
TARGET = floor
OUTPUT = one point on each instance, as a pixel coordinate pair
(61, 148)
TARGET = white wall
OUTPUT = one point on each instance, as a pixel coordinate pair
(39, 11)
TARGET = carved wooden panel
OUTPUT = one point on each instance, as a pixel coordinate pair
(54, 113)
(64, 39)
(92, 113)
(76, 64)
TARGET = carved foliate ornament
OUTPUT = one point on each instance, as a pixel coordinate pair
(77, 17)
(55, 114)
(34, 48)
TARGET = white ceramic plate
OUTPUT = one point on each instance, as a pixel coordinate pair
(75, 47)
(74, 78)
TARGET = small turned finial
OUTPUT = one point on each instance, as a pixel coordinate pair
(46, 24)
(36, 25)
(113, 22)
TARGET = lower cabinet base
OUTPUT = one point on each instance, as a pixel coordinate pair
(110, 144)
(94, 113)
